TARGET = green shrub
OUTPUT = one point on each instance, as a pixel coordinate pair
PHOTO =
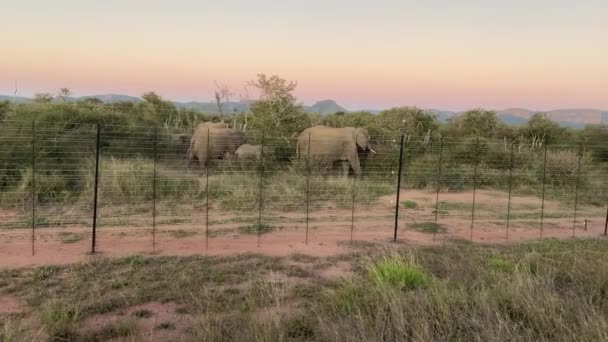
(409, 204)
(393, 271)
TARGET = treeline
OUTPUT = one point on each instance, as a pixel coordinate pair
(475, 141)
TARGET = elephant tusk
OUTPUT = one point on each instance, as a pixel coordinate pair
(372, 150)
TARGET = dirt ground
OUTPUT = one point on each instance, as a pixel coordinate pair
(285, 233)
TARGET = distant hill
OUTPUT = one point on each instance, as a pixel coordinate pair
(111, 98)
(513, 116)
(325, 107)
(566, 117)
(17, 99)
(512, 119)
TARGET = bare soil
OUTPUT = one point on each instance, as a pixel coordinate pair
(288, 234)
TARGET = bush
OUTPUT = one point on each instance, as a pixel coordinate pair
(393, 271)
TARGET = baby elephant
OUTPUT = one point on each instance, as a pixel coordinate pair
(250, 153)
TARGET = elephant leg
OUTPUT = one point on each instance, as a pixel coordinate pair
(345, 168)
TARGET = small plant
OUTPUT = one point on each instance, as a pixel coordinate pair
(123, 328)
(67, 237)
(142, 314)
(166, 326)
(499, 264)
(393, 271)
(427, 227)
(409, 204)
(180, 233)
(255, 228)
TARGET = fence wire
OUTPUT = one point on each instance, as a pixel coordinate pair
(157, 185)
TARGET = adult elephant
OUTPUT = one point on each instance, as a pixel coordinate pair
(212, 141)
(327, 145)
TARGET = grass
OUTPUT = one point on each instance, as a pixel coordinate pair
(253, 229)
(427, 227)
(393, 271)
(409, 204)
(67, 237)
(541, 291)
(142, 314)
(180, 233)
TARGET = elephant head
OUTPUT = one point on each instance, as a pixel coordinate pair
(362, 140)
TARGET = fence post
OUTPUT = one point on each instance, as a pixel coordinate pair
(606, 226)
(542, 207)
(398, 186)
(260, 205)
(154, 190)
(307, 187)
(511, 166)
(439, 174)
(95, 191)
(576, 187)
(33, 189)
(474, 185)
(207, 171)
(352, 214)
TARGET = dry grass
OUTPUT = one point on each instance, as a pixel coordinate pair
(542, 291)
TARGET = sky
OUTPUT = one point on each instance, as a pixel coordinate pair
(442, 54)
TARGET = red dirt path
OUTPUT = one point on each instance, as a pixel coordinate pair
(328, 227)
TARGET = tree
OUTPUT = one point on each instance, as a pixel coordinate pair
(277, 115)
(540, 129)
(414, 122)
(276, 110)
(63, 93)
(43, 97)
(4, 109)
(477, 122)
(222, 96)
(165, 111)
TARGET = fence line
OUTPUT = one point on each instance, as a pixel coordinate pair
(60, 157)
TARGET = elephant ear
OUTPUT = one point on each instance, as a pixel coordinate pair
(361, 138)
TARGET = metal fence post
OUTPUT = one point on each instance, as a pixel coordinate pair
(439, 174)
(97, 154)
(33, 188)
(474, 185)
(576, 187)
(606, 226)
(511, 166)
(207, 171)
(308, 170)
(542, 207)
(154, 189)
(261, 190)
(398, 186)
(352, 213)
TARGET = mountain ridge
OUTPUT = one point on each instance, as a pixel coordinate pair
(569, 117)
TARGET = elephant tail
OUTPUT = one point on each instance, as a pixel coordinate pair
(298, 149)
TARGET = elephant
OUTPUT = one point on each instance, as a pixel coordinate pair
(212, 141)
(249, 154)
(328, 145)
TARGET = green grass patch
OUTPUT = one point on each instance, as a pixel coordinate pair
(498, 263)
(253, 229)
(409, 204)
(393, 271)
(180, 233)
(427, 227)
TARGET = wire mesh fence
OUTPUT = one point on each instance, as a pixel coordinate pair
(98, 187)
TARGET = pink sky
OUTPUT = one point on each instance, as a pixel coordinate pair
(545, 55)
